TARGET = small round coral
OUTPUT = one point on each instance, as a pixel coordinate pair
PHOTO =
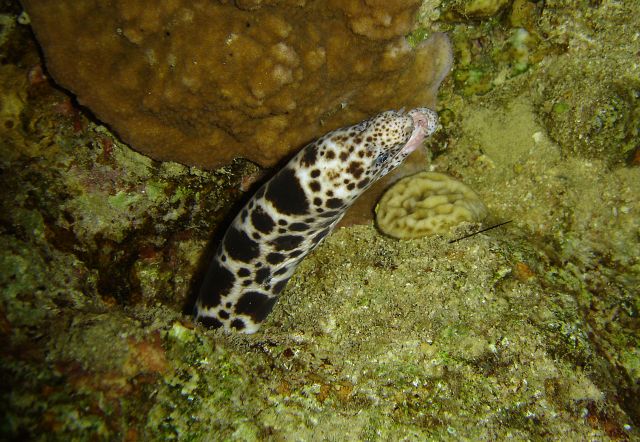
(425, 204)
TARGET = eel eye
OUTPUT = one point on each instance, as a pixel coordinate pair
(382, 158)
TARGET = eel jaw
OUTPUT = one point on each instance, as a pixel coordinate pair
(425, 122)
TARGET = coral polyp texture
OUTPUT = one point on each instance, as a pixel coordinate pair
(202, 82)
(425, 204)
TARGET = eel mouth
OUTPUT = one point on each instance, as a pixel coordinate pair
(425, 122)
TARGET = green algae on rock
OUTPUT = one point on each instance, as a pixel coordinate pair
(473, 9)
(260, 83)
(590, 98)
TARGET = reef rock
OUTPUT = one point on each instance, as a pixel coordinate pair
(203, 82)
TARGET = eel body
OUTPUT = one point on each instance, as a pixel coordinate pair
(292, 213)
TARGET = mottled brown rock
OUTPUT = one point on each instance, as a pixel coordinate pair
(203, 82)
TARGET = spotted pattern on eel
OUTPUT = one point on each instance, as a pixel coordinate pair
(292, 213)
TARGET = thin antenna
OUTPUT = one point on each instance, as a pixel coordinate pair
(480, 231)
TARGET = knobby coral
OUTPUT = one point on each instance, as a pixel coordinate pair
(425, 204)
(203, 82)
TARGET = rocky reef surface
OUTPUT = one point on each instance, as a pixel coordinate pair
(525, 332)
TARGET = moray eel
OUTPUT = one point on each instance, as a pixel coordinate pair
(292, 213)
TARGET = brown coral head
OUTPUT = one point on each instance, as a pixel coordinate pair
(205, 82)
